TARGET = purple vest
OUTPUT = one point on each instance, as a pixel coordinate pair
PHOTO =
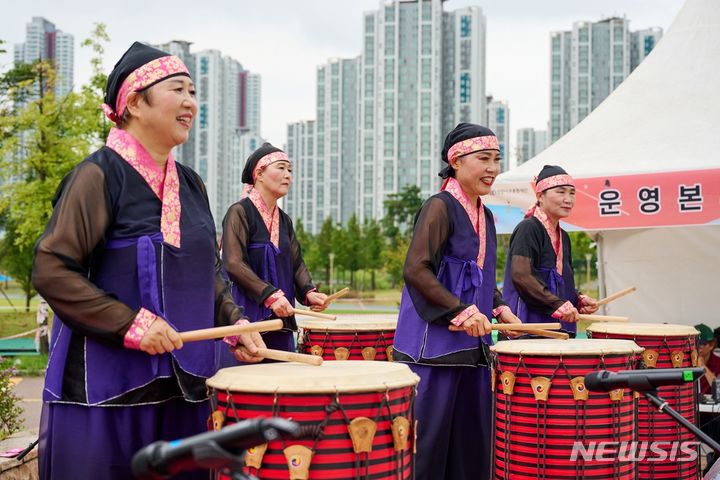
(460, 274)
(141, 271)
(562, 286)
(271, 264)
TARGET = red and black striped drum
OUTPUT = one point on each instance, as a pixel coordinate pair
(666, 346)
(358, 415)
(365, 339)
(546, 421)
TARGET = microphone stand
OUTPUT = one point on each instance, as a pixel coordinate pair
(662, 405)
(212, 456)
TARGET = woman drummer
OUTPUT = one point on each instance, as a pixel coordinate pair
(126, 261)
(539, 283)
(261, 254)
(449, 296)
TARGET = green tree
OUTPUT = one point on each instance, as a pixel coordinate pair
(324, 243)
(93, 92)
(373, 246)
(17, 263)
(400, 210)
(307, 246)
(43, 138)
(395, 260)
(581, 244)
(353, 248)
(342, 253)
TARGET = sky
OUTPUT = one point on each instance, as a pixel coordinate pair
(285, 40)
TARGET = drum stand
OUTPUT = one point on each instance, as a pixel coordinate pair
(662, 405)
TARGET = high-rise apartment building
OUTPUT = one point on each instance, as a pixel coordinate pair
(587, 64)
(641, 44)
(226, 129)
(530, 142)
(43, 41)
(422, 70)
(336, 135)
(498, 120)
(299, 203)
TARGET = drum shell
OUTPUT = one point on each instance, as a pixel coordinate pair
(368, 339)
(653, 425)
(535, 438)
(333, 451)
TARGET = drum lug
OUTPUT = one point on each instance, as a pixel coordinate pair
(368, 353)
(400, 432)
(617, 394)
(254, 456)
(540, 387)
(650, 358)
(580, 392)
(677, 357)
(316, 350)
(218, 419)
(342, 353)
(508, 382)
(362, 432)
(298, 459)
(389, 353)
(694, 357)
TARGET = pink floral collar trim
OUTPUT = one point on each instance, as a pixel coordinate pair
(476, 213)
(555, 237)
(271, 218)
(166, 185)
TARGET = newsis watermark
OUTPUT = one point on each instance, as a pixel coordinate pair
(656, 451)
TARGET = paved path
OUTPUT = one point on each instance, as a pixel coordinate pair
(29, 389)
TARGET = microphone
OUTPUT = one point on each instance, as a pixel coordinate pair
(640, 380)
(162, 459)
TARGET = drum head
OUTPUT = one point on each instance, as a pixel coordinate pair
(330, 377)
(551, 347)
(644, 329)
(340, 325)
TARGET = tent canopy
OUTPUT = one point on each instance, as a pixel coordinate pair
(657, 129)
(647, 157)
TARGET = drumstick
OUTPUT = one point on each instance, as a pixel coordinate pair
(524, 327)
(603, 318)
(616, 295)
(310, 313)
(549, 334)
(284, 356)
(336, 295)
(220, 332)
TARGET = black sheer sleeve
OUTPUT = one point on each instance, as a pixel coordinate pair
(80, 217)
(236, 232)
(524, 252)
(303, 281)
(433, 302)
(498, 299)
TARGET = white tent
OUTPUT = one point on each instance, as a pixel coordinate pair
(654, 146)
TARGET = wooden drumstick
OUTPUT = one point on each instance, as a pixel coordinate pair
(336, 295)
(524, 327)
(220, 332)
(616, 295)
(284, 356)
(310, 313)
(603, 318)
(549, 334)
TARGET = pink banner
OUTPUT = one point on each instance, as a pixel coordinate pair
(647, 200)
